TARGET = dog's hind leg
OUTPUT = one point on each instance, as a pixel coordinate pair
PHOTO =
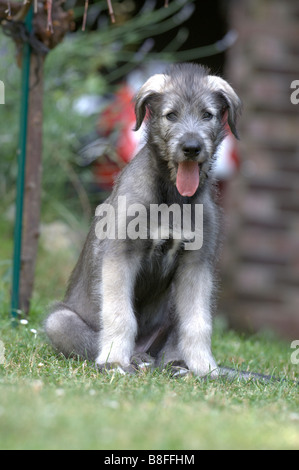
(70, 335)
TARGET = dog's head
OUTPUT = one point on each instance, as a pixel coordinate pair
(188, 114)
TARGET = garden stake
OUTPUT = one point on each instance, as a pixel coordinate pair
(21, 170)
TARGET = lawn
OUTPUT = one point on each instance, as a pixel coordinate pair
(48, 402)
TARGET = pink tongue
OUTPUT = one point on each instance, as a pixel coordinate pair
(187, 179)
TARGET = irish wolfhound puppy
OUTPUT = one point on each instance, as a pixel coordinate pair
(144, 282)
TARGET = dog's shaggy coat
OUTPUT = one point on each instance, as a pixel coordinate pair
(152, 294)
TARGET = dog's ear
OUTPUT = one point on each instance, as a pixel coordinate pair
(232, 103)
(151, 89)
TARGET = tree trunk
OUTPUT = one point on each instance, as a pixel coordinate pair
(32, 195)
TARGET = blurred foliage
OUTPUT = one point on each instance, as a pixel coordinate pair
(85, 63)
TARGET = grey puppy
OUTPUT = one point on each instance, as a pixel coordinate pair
(152, 293)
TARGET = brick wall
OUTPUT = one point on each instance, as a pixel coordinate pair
(260, 267)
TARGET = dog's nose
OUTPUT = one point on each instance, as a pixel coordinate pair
(191, 148)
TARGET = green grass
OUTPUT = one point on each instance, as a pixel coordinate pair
(48, 402)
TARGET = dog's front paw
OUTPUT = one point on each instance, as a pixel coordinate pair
(178, 368)
(205, 368)
(142, 361)
(109, 367)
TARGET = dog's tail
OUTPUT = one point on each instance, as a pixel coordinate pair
(231, 375)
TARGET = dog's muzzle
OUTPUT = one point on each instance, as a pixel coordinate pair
(191, 148)
(193, 155)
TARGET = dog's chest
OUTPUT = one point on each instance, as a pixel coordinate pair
(157, 269)
(163, 255)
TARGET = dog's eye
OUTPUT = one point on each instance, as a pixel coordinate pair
(171, 117)
(207, 116)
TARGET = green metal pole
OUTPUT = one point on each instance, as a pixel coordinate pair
(21, 170)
